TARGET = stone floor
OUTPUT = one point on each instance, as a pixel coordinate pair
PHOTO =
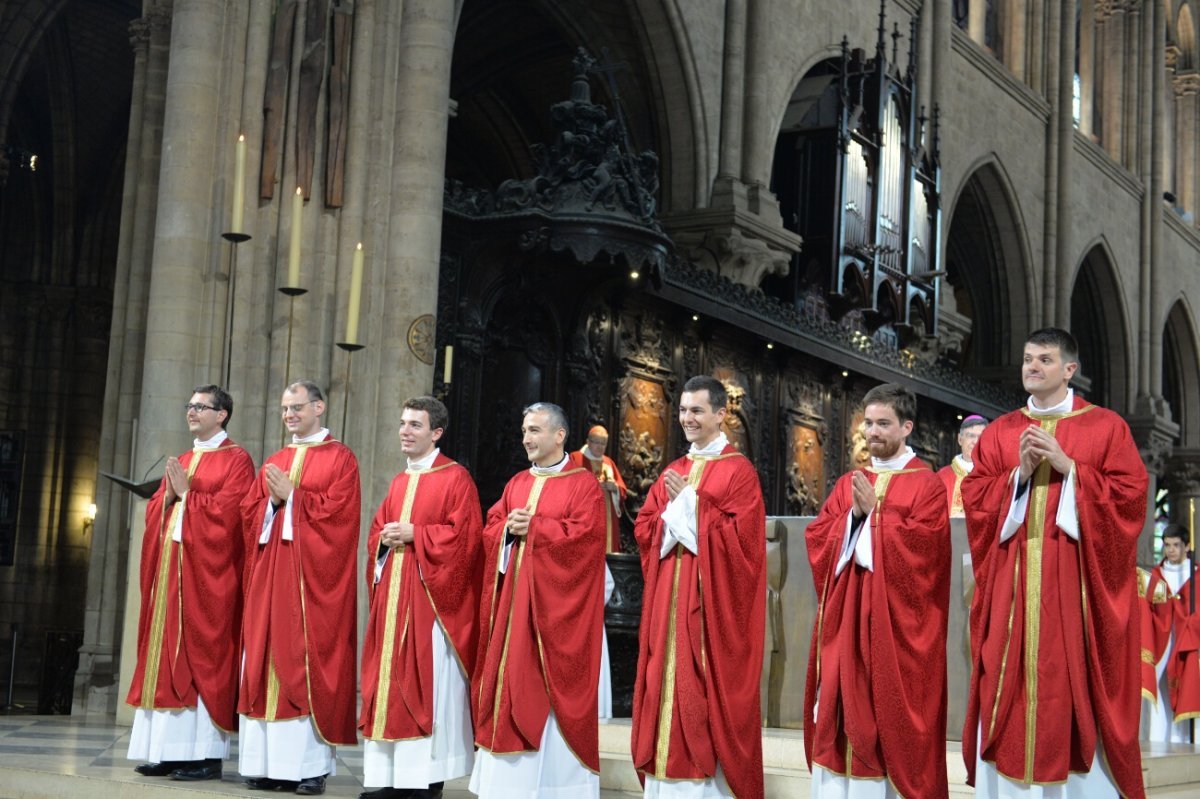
(66, 756)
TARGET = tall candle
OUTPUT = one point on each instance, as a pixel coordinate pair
(356, 274)
(239, 185)
(294, 250)
(448, 366)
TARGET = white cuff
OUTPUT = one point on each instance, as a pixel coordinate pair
(856, 544)
(287, 518)
(268, 518)
(679, 522)
(380, 562)
(1067, 517)
(1017, 509)
(609, 584)
(506, 553)
(177, 531)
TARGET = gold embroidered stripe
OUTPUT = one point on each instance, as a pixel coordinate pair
(1034, 534)
(384, 686)
(667, 700)
(158, 618)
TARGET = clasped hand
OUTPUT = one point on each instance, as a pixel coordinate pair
(278, 483)
(518, 521)
(395, 534)
(177, 480)
(863, 493)
(1037, 445)
(674, 483)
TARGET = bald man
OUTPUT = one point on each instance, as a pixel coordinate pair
(591, 456)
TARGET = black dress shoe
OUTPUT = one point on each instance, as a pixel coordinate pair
(311, 786)
(386, 793)
(432, 792)
(159, 769)
(268, 784)
(209, 769)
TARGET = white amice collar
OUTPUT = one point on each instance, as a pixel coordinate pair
(425, 461)
(558, 467)
(1063, 407)
(317, 436)
(1184, 566)
(714, 447)
(587, 453)
(212, 443)
(963, 463)
(897, 462)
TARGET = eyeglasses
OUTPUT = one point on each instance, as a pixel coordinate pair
(285, 409)
(197, 407)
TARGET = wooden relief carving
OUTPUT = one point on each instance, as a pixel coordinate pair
(644, 419)
(275, 96)
(806, 470)
(339, 103)
(740, 410)
(860, 456)
(312, 75)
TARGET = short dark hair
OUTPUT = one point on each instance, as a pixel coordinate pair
(1068, 347)
(314, 391)
(221, 400)
(1176, 531)
(439, 416)
(718, 397)
(896, 397)
(558, 417)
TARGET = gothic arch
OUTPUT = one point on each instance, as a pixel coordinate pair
(1100, 323)
(1185, 38)
(1181, 371)
(988, 274)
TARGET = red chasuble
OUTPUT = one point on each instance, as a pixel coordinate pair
(433, 580)
(190, 622)
(700, 653)
(605, 470)
(1055, 637)
(1183, 670)
(539, 646)
(952, 476)
(1155, 618)
(877, 661)
(299, 628)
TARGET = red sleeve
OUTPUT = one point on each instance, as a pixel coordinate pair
(824, 534)
(449, 556)
(733, 548)
(384, 513)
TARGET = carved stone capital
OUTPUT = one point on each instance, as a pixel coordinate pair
(139, 35)
(1182, 473)
(1154, 433)
(1171, 54)
(735, 243)
(1187, 84)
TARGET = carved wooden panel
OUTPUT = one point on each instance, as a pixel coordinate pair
(740, 418)
(806, 469)
(644, 419)
(275, 97)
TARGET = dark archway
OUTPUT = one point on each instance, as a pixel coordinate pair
(987, 275)
(1100, 325)
(1181, 373)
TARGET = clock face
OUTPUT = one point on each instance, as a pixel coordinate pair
(421, 338)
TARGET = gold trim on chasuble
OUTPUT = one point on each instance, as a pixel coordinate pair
(956, 503)
(1034, 538)
(167, 553)
(535, 494)
(666, 707)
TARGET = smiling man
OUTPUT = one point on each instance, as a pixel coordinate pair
(542, 616)
(299, 629)
(423, 561)
(696, 709)
(875, 699)
(185, 685)
(1055, 504)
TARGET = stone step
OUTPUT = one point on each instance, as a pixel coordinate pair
(1170, 771)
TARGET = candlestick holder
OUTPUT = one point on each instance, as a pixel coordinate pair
(234, 240)
(350, 349)
(292, 293)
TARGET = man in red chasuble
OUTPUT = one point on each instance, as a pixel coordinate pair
(185, 685)
(953, 473)
(541, 619)
(1166, 600)
(1055, 504)
(875, 698)
(702, 538)
(592, 457)
(423, 575)
(299, 628)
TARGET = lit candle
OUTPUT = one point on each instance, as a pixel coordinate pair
(356, 274)
(239, 185)
(294, 250)
(448, 366)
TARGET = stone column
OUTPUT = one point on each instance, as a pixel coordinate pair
(977, 21)
(1064, 98)
(184, 233)
(1016, 28)
(1166, 91)
(1153, 433)
(409, 289)
(1111, 98)
(1181, 478)
(1087, 69)
(95, 691)
(1187, 89)
(1131, 89)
